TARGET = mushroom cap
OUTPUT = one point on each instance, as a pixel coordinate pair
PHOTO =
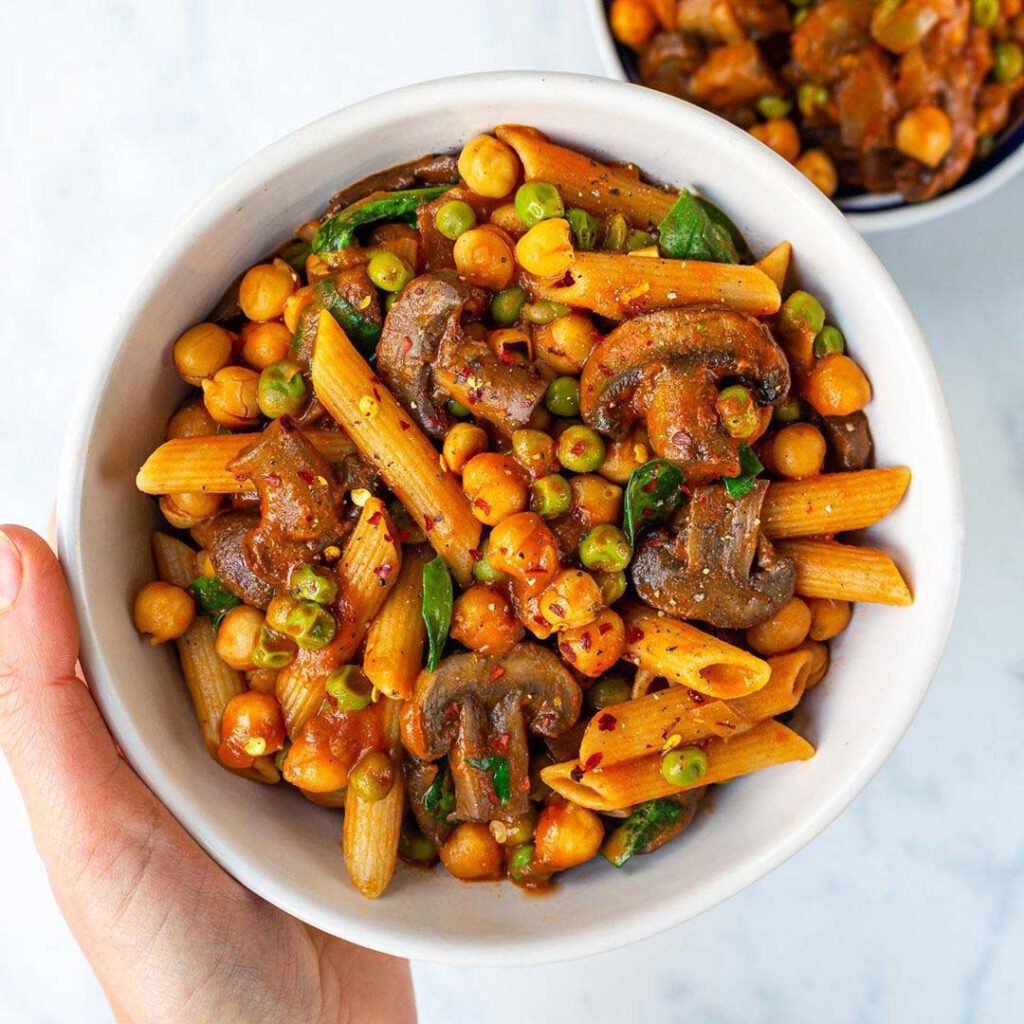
(666, 368)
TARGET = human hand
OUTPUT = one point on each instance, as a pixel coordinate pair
(171, 936)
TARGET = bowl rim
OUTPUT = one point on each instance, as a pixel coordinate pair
(368, 930)
(876, 221)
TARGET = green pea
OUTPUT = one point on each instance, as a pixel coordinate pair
(415, 846)
(829, 341)
(738, 411)
(454, 218)
(801, 312)
(520, 864)
(508, 304)
(608, 690)
(483, 570)
(563, 396)
(520, 830)
(584, 229)
(772, 107)
(638, 240)
(281, 755)
(985, 13)
(537, 201)
(801, 16)
(281, 390)
(389, 301)
(810, 96)
(348, 689)
(684, 767)
(309, 625)
(389, 272)
(457, 409)
(616, 233)
(373, 777)
(272, 650)
(1008, 63)
(544, 312)
(605, 548)
(612, 584)
(550, 496)
(307, 583)
(788, 411)
(580, 449)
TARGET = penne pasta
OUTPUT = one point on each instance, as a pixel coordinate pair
(832, 502)
(394, 643)
(366, 573)
(633, 782)
(619, 286)
(188, 465)
(845, 573)
(397, 448)
(678, 715)
(598, 188)
(683, 654)
(775, 263)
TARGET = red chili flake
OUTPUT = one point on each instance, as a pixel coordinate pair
(505, 355)
(403, 536)
(376, 394)
(537, 570)
(274, 479)
(501, 743)
(680, 438)
(648, 487)
(726, 725)
(482, 505)
(578, 448)
(606, 723)
(496, 673)
(687, 493)
(576, 774)
(540, 620)
(452, 711)
(568, 653)
(476, 554)
(634, 635)
(605, 627)
(696, 696)
(432, 421)
(606, 370)
(524, 784)
(384, 570)
(593, 761)
(429, 522)
(585, 641)
(305, 477)
(558, 610)
(404, 425)
(406, 344)
(375, 518)
(474, 395)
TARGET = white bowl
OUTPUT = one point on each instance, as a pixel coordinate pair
(285, 848)
(870, 213)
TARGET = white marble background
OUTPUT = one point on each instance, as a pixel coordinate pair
(117, 117)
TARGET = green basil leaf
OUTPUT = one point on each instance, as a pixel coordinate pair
(497, 767)
(437, 608)
(213, 598)
(750, 467)
(690, 232)
(653, 493)
(439, 799)
(723, 220)
(338, 232)
(648, 823)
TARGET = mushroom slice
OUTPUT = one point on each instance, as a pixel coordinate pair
(224, 537)
(665, 368)
(479, 710)
(706, 570)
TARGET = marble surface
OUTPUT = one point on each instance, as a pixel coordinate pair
(117, 117)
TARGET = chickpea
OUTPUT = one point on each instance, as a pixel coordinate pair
(779, 134)
(783, 631)
(633, 22)
(798, 451)
(495, 486)
(817, 166)
(295, 305)
(252, 726)
(265, 289)
(535, 452)
(622, 457)
(463, 442)
(183, 511)
(828, 618)
(566, 343)
(819, 662)
(595, 500)
(482, 620)
(573, 599)
(238, 635)
(201, 351)
(232, 397)
(310, 764)
(925, 134)
(265, 344)
(471, 852)
(507, 219)
(526, 549)
(546, 249)
(566, 835)
(191, 420)
(164, 611)
(484, 258)
(489, 167)
(593, 649)
(836, 386)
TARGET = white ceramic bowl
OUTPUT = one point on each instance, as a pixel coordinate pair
(870, 213)
(284, 847)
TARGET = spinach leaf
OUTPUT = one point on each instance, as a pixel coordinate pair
(584, 228)
(338, 232)
(439, 799)
(750, 466)
(745, 253)
(653, 493)
(213, 598)
(437, 608)
(497, 768)
(647, 825)
(690, 232)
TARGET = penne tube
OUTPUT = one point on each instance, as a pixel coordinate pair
(598, 188)
(394, 644)
(775, 263)
(683, 654)
(186, 465)
(618, 286)
(832, 502)
(678, 715)
(396, 447)
(633, 782)
(366, 573)
(844, 572)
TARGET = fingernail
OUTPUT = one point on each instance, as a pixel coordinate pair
(10, 572)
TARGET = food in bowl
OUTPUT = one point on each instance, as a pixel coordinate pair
(896, 96)
(507, 512)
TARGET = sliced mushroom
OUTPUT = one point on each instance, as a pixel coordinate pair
(666, 368)
(705, 568)
(475, 708)
(425, 170)
(419, 777)
(849, 441)
(669, 61)
(223, 537)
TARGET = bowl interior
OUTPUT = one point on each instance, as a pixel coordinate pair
(284, 847)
